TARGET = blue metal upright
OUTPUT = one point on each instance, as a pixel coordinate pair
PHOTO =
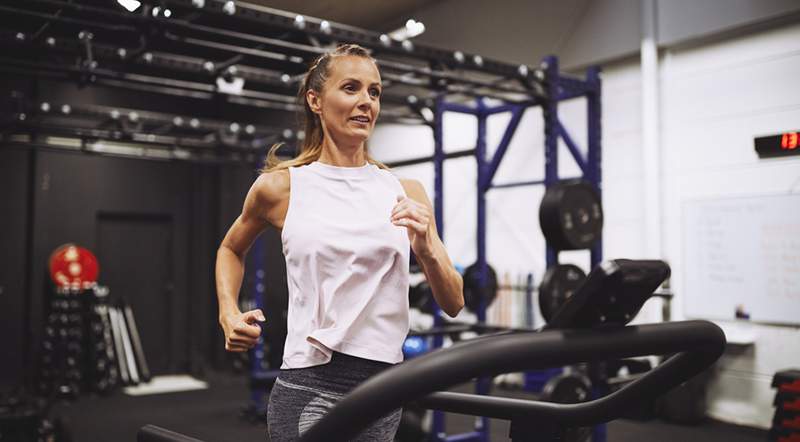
(594, 170)
(258, 363)
(482, 385)
(438, 433)
(438, 204)
(480, 157)
(438, 199)
(551, 124)
(438, 164)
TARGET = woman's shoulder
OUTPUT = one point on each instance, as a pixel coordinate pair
(410, 183)
(414, 189)
(273, 186)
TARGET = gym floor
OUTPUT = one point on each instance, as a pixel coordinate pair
(214, 415)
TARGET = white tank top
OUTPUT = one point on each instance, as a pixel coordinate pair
(346, 265)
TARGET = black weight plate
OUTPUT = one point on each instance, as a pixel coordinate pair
(558, 284)
(419, 296)
(472, 289)
(571, 215)
(567, 389)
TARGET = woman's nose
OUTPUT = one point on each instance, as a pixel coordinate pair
(365, 100)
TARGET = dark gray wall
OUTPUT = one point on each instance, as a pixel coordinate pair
(516, 31)
(607, 30)
(155, 227)
(14, 207)
(123, 210)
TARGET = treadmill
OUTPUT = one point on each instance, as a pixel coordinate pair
(590, 327)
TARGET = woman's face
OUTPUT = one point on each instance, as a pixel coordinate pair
(350, 100)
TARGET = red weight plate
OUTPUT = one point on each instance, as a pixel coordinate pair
(73, 265)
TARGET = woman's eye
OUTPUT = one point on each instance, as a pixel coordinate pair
(375, 92)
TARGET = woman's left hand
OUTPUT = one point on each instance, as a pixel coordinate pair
(416, 218)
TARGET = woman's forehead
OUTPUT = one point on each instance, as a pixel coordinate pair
(351, 66)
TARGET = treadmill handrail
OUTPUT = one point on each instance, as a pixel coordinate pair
(593, 412)
(697, 344)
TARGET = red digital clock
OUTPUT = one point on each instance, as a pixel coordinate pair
(787, 143)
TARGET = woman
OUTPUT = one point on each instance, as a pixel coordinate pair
(346, 225)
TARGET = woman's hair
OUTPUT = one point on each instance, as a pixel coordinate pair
(312, 144)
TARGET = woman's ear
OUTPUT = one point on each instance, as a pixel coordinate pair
(313, 100)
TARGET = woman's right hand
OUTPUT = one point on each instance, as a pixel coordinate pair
(242, 330)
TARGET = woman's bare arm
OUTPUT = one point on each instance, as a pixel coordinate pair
(266, 193)
(445, 282)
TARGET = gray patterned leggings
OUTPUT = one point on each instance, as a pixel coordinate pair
(302, 396)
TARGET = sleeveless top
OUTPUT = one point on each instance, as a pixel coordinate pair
(346, 265)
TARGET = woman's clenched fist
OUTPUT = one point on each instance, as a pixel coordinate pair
(242, 330)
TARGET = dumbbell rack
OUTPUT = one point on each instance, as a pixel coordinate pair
(89, 344)
(63, 352)
(786, 422)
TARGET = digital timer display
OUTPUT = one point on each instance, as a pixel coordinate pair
(787, 143)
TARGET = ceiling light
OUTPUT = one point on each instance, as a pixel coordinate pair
(325, 26)
(130, 5)
(412, 29)
(229, 7)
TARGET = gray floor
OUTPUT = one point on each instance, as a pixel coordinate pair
(215, 415)
(624, 430)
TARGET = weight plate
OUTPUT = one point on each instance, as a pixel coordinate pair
(472, 288)
(567, 389)
(419, 296)
(571, 215)
(558, 284)
(71, 264)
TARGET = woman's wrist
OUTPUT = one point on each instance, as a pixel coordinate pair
(228, 311)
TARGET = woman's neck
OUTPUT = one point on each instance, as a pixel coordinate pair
(342, 154)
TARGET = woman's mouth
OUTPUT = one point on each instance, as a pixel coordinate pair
(360, 119)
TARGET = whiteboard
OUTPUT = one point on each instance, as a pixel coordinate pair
(743, 251)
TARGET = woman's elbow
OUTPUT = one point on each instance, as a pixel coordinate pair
(456, 308)
(225, 250)
(457, 304)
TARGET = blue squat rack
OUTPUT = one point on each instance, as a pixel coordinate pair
(558, 87)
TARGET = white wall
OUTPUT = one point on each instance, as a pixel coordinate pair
(715, 99)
